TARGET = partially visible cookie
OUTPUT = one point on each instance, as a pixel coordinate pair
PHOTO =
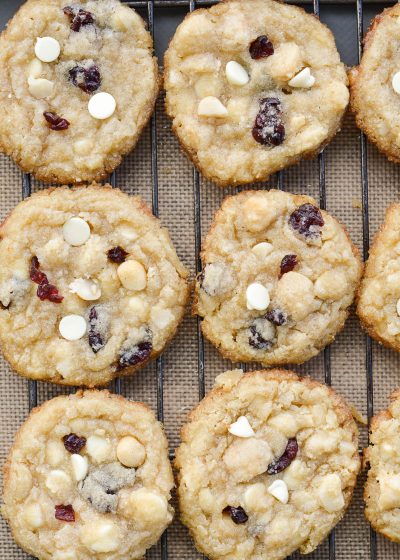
(90, 286)
(88, 477)
(379, 295)
(375, 84)
(382, 489)
(267, 466)
(71, 109)
(253, 87)
(279, 275)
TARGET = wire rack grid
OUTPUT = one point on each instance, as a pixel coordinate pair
(149, 6)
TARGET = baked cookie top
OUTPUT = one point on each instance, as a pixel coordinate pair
(267, 465)
(70, 108)
(90, 286)
(379, 295)
(375, 84)
(278, 277)
(382, 489)
(88, 477)
(252, 87)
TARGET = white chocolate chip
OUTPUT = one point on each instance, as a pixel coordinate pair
(130, 452)
(330, 493)
(241, 428)
(83, 147)
(132, 275)
(98, 448)
(88, 290)
(236, 74)
(398, 307)
(261, 250)
(76, 231)
(257, 296)
(279, 490)
(303, 79)
(102, 105)
(80, 466)
(33, 516)
(396, 82)
(72, 327)
(40, 87)
(389, 486)
(147, 506)
(101, 536)
(35, 68)
(211, 106)
(57, 481)
(161, 317)
(47, 49)
(254, 497)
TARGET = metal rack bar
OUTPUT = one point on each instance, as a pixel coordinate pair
(365, 227)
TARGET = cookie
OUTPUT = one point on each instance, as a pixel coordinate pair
(253, 87)
(379, 295)
(375, 84)
(382, 489)
(279, 275)
(267, 466)
(88, 477)
(71, 109)
(90, 286)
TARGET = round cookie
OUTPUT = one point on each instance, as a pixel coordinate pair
(70, 108)
(90, 286)
(267, 466)
(382, 489)
(278, 277)
(253, 87)
(88, 477)
(379, 294)
(375, 84)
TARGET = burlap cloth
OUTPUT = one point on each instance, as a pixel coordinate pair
(176, 197)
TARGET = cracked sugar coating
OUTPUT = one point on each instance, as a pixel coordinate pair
(39, 477)
(252, 233)
(382, 489)
(218, 470)
(88, 149)
(374, 101)
(379, 291)
(230, 149)
(131, 316)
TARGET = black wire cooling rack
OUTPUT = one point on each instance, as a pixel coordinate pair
(190, 5)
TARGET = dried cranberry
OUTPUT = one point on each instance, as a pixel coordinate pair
(45, 289)
(78, 17)
(65, 513)
(268, 128)
(50, 292)
(277, 317)
(117, 255)
(307, 220)
(288, 263)
(135, 355)
(73, 443)
(98, 319)
(238, 515)
(261, 47)
(87, 79)
(256, 340)
(284, 461)
(35, 274)
(56, 122)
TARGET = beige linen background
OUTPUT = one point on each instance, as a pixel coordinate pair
(176, 208)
